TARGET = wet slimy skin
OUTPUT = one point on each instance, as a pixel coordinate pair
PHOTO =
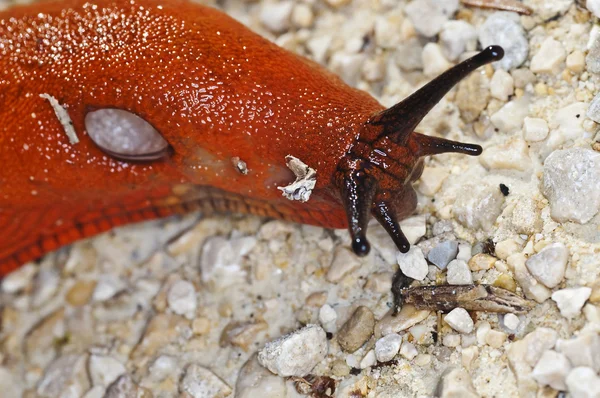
(219, 95)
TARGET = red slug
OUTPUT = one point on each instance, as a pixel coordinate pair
(117, 111)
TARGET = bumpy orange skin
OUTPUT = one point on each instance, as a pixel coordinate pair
(212, 88)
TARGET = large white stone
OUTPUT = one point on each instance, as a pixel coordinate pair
(459, 320)
(570, 301)
(549, 265)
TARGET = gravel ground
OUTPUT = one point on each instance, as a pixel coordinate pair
(180, 307)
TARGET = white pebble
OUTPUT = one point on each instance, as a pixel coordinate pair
(551, 370)
(550, 56)
(107, 287)
(434, 62)
(593, 6)
(428, 16)
(583, 382)
(432, 179)
(456, 38)
(531, 287)
(104, 370)
(368, 360)
(535, 129)
(343, 263)
(451, 340)
(583, 350)
(200, 382)
(478, 206)
(495, 338)
(576, 61)
(221, 261)
(459, 320)
(511, 322)
(510, 117)
(502, 85)
(182, 298)
(414, 228)
(408, 350)
(327, 318)
(295, 354)
(443, 253)
(387, 347)
(413, 263)
(549, 265)
(538, 342)
(459, 273)
(18, 279)
(302, 15)
(571, 300)
(276, 16)
(504, 29)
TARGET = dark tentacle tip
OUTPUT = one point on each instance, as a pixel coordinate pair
(495, 53)
(404, 248)
(476, 150)
(361, 246)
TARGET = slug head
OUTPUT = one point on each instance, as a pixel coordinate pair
(375, 176)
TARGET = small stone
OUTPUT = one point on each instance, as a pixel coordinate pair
(275, 16)
(481, 262)
(18, 279)
(549, 265)
(432, 179)
(551, 370)
(504, 29)
(583, 382)
(570, 301)
(159, 332)
(387, 34)
(576, 61)
(523, 77)
(511, 322)
(443, 253)
(593, 111)
(95, 392)
(456, 383)
(163, 367)
(201, 326)
(456, 38)
(433, 60)
(547, 10)
(468, 355)
(182, 298)
(124, 387)
(512, 154)
(80, 293)
(428, 16)
(495, 338)
(107, 287)
(64, 377)
(302, 16)
(221, 260)
(380, 282)
(347, 66)
(510, 117)
(549, 58)
(316, 299)
(593, 6)
(409, 55)
(295, 354)
(256, 381)
(583, 350)
(473, 95)
(406, 318)
(535, 129)
(502, 85)
(408, 350)
(567, 124)
(506, 248)
(459, 273)
(327, 318)
(357, 330)
(413, 263)
(45, 285)
(451, 340)
(104, 370)
(459, 320)
(387, 347)
(200, 382)
(40, 342)
(343, 263)
(414, 228)
(368, 360)
(531, 287)
(464, 252)
(478, 206)
(242, 334)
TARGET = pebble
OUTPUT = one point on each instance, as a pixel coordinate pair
(549, 57)
(295, 354)
(357, 330)
(547, 10)
(124, 387)
(527, 386)
(523, 77)
(531, 287)
(478, 206)
(429, 16)
(387, 34)
(457, 37)
(221, 259)
(409, 55)
(106, 287)
(510, 117)
(302, 16)
(468, 355)
(576, 61)
(434, 62)
(459, 273)
(570, 301)
(408, 350)
(200, 382)
(45, 285)
(506, 248)
(593, 6)
(104, 370)
(511, 322)
(495, 338)
(549, 265)
(19, 279)
(80, 293)
(443, 253)
(583, 350)
(327, 318)
(465, 252)
(451, 340)
(65, 377)
(347, 66)
(163, 367)
(95, 392)
(535, 129)
(242, 334)
(481, 262)
(343, 263)
(502, 85)
(583, 382)
(256, 381)
(567, 124)
(275, 16)
(510, 155)
(472, 96)
(182, 298)
(159, 332)
(368, 360)
(387, 347)
(455, 383)
(413, 263)
(40, 342)
(504, 29)
(593, 111)
(406, 318)
(459, 320)
(414, 228)
(551, 370)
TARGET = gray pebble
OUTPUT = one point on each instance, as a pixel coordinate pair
(443, 253)
(504, 29)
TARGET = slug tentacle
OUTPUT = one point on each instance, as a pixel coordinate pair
(377, 171)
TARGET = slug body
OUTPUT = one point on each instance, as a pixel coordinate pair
(218, 94)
